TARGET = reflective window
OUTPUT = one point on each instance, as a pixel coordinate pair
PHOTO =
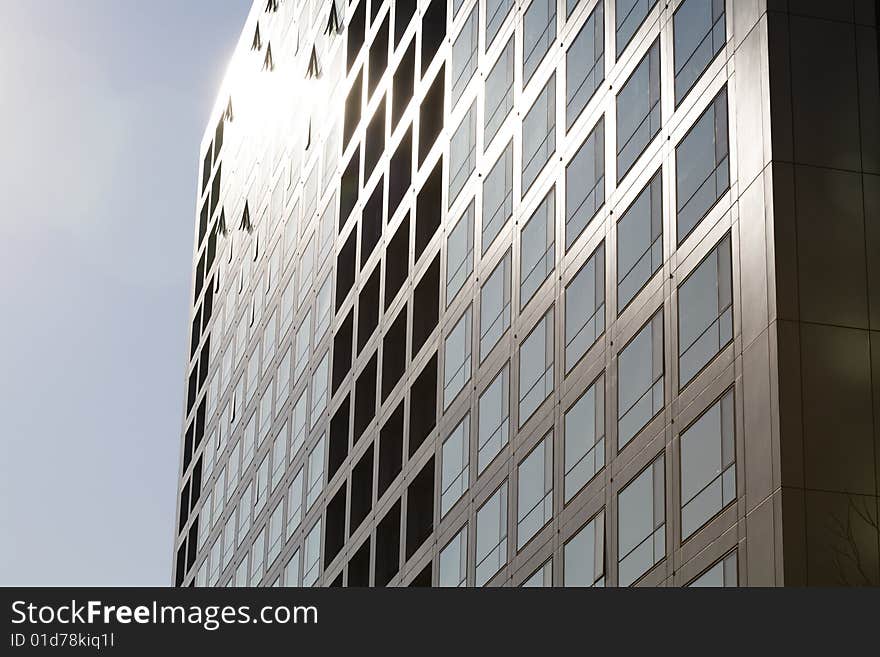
(705, 312)
(496, 12)
(630, 14)
(322, 308)
(701, 166)
(460, 253)
(641, 523)
(282, 379)
(306, 271)
(453, 561)
(319, 387)
(464, 55)
(491, 552)
(640, 394)
(536, 367)
(463, 152)
(265, 413)
(585, 183)
(258, 557)
(454, 464)
(291, 571)
(301, 347)
(295, 503)
(539, 32)
(312, 555)
(699, 34)
(708, 472)
(494, 419)
(585, 308)
(534, 505)
(316, 473)
(539, 133)
(584, 64)
(495, 306)
(276, 531)
(537, 248)
(722, 573)
(640, 242)
(584, 555)
(541, 578)
(638, 110)
(584, 426)
(457, 358)
(497, 197)
(499, 94)
(300, 423)
(279, 457)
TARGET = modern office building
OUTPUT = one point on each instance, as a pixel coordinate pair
(550, 292)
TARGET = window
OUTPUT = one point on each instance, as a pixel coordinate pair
(453, 560)
(316, 473)
(537, 248)
(258, 557)
(495, 306)
(701, 166)
(397, 261)
(429, 210)
(539, 31)
(705, 312)
(265, 413)
(638, 110)
(276, 531)
(641, 523)
(630, 14)
(279, 457)
(454, 465)
(536, 367)
(464, 55)
(585, 65)
(585, 308)
(492, 536)
(457, 358)
(496, 12)
(431, 110)
(295, 503)
(541, 578)
(244, 513)
(426, 306)
(708, 471)
(300, 422)
(322, 309)
(371, 221)
(494, 419)
(499, 94)
(584, 446)
(312, 558)
(423, 396)
(282, 379)
(460, 253)
(534, 507)
(585, 184)
(261, 485)
(319, 387)
(640, 394)
(306, 269)
(640, 242)
(301, 346)
(539, 133)
(291, 571)
(584, 555)
(699, 34)
(497, 197)
(462, 152)
(394, 354)
(433, 31)
(722, 573)
(403, 13)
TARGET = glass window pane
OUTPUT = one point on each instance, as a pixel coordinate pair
(454, 464)
(494, 419)
(705, 312)
(722, 573)
(539, 32)
(641, 523)
(708, 472)
(699, 34)
(585, 183)
(312, 558)
(541, 578)
(497, 197)
(539, 134)
(464, 55)
(453, 561)
(536, 367)
(702, 166)
(584, 555)
(640, 394)
(457, 358)
(499, 94)
(463, 152)
(495, 306)
(630, 14)
(460, 253)
(537, 248)
(534, 507)
(640, 242)
(496, 12)
(584, 447)
(585, 64)
(585, 308)
(491, 553)
(638, 110)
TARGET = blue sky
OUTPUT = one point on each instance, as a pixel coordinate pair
(102, 108)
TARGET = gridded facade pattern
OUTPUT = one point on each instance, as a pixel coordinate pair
(433, 343)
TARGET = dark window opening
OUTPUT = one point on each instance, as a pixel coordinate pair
(431, 114)
(345, 268)
(356, 29)
(268, 62)
(215, 188)
(359, 564)
(374, 142)
(193, 544)
(371, 222)
(361, 491)
(420, 509)
(218, 133)
(196, 487)
(257, 43)
(368, 310)
(433, 31)
(208, 162)
(404, 85)
(184, 507)
(426, 305)
(204, 359)
(423, 579)
(349, 187)
(336, 583)
(337, 449)
(394, 354)
(334, 527)
(400, 173)
(429, 209)
(423, 405)
(387, 546)
(181, 564)
(397, 261)
(333, 24)
(353, 103)
(378, 55)
(390, 451)
(203, 221)
(342, 351)
(195, 333)
(314, 68)
(404, 10)
(365, 398)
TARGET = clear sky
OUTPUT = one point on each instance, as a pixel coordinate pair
(102, 108)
